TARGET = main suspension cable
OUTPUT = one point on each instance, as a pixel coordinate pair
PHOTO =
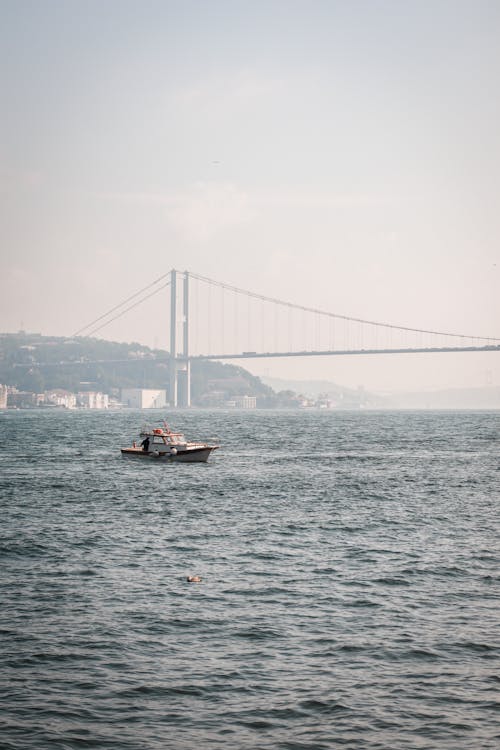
(336, 315)
(116, 307)
(136, 304)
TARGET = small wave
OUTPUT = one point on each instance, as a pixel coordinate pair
(160, 691)
(45, 658)
(258, 634)
(479, 648)
(316, 706)
(351, 648)
(392, 581)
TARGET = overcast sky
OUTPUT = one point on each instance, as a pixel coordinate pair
(343, 155)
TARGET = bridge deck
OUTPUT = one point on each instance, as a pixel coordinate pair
(345, 352)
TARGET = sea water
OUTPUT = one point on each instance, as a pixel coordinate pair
(350, 594)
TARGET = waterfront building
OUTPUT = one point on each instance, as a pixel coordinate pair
(245, 402)
(93, 400)
(60, 397)
(144, 398)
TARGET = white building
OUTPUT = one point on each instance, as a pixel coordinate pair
(143, 398)
(60, 397)
(3, 396)
(93, 400)
(245, 402)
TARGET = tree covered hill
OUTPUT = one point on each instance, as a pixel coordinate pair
(33, 362)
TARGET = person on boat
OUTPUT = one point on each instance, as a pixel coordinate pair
(145, 444)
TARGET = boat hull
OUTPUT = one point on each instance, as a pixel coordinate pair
(189, 455)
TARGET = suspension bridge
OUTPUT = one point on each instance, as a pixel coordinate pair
(209, 319)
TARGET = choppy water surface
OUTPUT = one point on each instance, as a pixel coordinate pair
(350, 595)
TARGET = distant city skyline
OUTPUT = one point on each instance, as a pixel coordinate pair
(337, 155)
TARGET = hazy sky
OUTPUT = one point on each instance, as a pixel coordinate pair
(343, 155)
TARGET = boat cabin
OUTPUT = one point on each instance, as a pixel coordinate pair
(162, 440)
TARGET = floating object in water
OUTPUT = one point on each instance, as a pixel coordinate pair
(164, 445)
(193, 579)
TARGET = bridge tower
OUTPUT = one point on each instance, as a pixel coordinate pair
(179, 365)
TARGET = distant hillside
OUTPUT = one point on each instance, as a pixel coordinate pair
(347, 397)
(35, 363)
(487, 397)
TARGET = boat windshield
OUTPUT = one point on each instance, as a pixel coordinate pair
(176, 437)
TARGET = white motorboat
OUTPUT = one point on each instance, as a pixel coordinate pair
(164, 445)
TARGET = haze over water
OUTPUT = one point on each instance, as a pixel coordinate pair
(350, 593)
